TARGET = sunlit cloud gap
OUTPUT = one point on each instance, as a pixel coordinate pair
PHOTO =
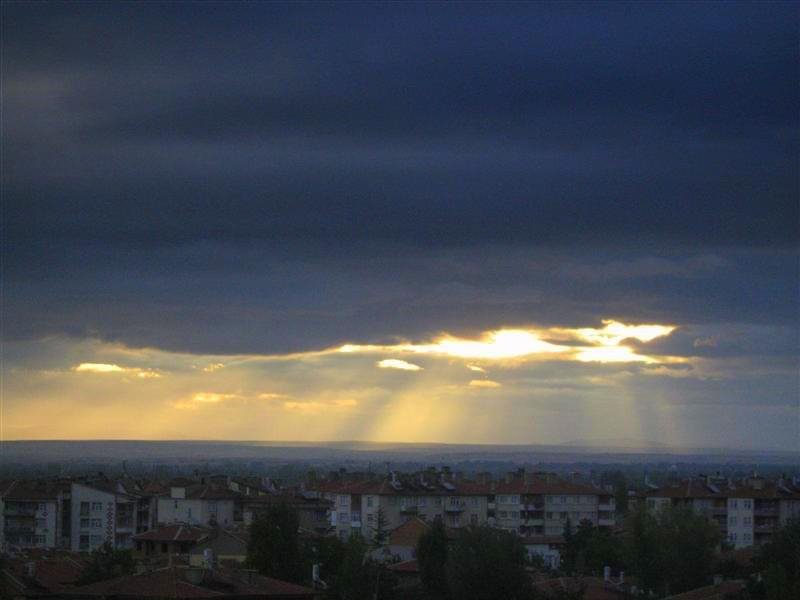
(393, 363)
(105, 368)
(504, 344)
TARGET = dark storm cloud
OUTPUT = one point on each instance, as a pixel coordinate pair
(266, 177)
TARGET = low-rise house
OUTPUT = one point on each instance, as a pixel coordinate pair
(223, 547)
(197, 504)
(169, 540)
(401, 542)
(34, 577)
(547, 547)
(183, 583)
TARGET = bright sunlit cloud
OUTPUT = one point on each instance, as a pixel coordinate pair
(484, 383)
(105, 368)
(393, 363)
(510, 344)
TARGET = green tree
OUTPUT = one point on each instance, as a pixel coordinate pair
(672, 551)
(485, 564)
(432, 554)
(779, 561)
(107, 563)
(380, 531)
(358, 577)
(274, 547)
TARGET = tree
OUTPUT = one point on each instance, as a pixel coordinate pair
(274, 547)
(358, 577)
(486, 564)
(672, 551)
(380, 531)
(107, 563)
(779, 560)
(432, 559)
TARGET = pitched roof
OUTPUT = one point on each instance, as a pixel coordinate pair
(407, 566)
(699, 487)
(712, 592)
(171, 583)
(174, 533)
(408, 533)
(52, 574)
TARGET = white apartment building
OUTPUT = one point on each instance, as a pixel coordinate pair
(104, 512)
(30, 516)
(197, 504)
(747, 511)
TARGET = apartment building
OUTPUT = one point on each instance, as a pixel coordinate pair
(535, 504)
(197, 504)
(428, 496)
(747, 511)
(313, 513)
(31, 516)
(107, 512)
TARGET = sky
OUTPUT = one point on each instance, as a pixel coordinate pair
(421, 222)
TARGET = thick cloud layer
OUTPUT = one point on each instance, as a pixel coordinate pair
(262, 178)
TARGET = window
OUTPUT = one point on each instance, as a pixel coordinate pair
(342, 517)
(732, 521)
(562, 500)
(514, 500)
(96, 540)
(342, 500)
(734, 504)
(503, 514)
(748, 504)
(570, 499)
(550, 515)
(84, 541)
(514, 514)
(38, 540)
(97, 506)
(747, 537)
(474, 501)
(86, 523)
(370, 517)
(212, 506)
(85, 510)
(423, 500)
(438, 501)
(747, 521)
(41, 523)
(97, 523)
(369, 501)
(651, 503)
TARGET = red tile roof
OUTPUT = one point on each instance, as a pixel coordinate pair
(174, 533)
(408, 533)
(171, 583)
(712, 592)
(407, 566)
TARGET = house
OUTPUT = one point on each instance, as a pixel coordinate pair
(34, 577)
(183, 583)
(222, 547)
(401, 542)
(197, 504)
(175, 539)
(548, 547)
(718, 591)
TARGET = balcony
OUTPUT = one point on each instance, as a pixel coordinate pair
(19, 511)
(409, 510)
(766, 511)
(454, 508)
(125, 523)
(607, 506)
(491, 505)
(533, 522)
(534, 507)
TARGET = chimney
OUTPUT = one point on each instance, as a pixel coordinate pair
(30, 569)
(607, 574)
